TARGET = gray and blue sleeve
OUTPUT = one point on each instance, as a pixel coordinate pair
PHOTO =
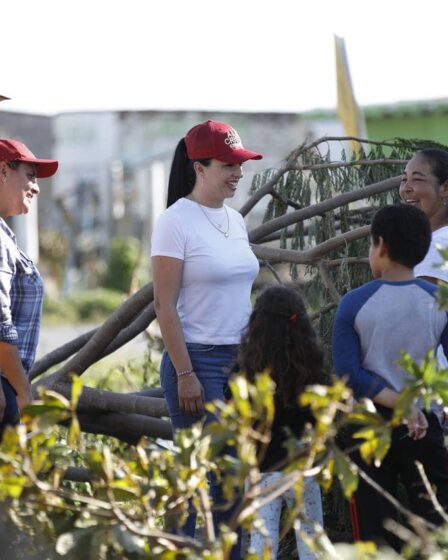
(347, 352)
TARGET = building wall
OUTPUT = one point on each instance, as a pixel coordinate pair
(424, 124)
(87, 145)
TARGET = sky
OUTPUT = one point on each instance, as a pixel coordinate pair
(233, 55)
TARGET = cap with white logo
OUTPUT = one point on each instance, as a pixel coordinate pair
(215, 140)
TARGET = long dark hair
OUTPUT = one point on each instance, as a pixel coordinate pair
(182, 174)
(281, 338)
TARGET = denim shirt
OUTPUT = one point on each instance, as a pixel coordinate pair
(21, 296)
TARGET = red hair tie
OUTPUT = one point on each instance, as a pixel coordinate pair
(293, 318)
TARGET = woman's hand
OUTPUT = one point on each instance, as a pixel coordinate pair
(12, 369)
(417, 424)
(191, 395)
(23, 399)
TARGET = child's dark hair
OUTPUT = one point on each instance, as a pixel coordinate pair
(281, 338)
(406, 232)
(182, 174)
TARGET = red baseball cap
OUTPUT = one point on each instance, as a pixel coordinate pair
(216, 140)
(13, 150)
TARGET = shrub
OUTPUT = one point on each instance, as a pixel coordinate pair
(96, 304)
(123, 260)
(58, 310)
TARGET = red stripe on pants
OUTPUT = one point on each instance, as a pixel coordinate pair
(354, 519)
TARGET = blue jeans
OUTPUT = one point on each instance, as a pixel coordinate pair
(11, 416)
(212, 364)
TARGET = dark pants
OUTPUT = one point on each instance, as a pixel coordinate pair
(212, 364)
(369, 509)
(11, 414)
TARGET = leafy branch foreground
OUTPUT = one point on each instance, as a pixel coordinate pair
(137, 498)
(316, 222)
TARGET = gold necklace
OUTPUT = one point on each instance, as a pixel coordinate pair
(225, 233)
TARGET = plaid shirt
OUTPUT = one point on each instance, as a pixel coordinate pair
(21, 295)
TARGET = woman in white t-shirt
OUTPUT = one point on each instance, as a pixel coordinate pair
(203, 271)
(425, 185)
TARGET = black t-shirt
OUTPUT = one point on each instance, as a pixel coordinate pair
(292, 417)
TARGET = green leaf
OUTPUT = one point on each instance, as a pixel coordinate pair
(74, 433)
(13, 486)
(52, 397)
(346, 472)
(404, 402)
(77, 386)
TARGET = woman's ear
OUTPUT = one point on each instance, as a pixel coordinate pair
(198, 168)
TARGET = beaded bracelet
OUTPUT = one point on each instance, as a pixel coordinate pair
(185, 372)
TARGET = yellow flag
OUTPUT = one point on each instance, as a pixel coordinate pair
(348, 111)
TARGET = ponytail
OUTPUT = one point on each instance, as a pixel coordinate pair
(182, 174)
(181, 181)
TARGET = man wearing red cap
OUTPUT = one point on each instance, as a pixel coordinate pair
(21, 288)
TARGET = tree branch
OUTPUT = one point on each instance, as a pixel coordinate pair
(273, 271)
(325, 309)
(289, 165)
(60, 354)
(320, 208)
(347, 260)
(328, 282)
(138, 325)
(96, 346)
(431, 493)
(312, 255)
(129, 428)
(406, 512)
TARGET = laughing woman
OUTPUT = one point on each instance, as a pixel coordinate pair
(203, 269)
(425, 184)
(21, 290)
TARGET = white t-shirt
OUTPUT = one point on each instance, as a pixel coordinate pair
(430, 267)
(218, 272)
(430, 264)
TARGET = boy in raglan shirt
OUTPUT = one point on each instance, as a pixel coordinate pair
(373, 325)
